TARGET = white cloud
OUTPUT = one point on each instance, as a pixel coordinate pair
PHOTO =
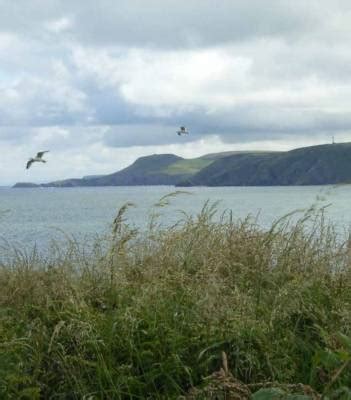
(239, 86)
(34, 100)
(59, 25)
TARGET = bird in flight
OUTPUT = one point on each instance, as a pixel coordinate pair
(37, 158)
(182, 131)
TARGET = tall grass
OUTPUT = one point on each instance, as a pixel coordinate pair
(148, 315)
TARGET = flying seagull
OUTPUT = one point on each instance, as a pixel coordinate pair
(182, 131)
(37, 158)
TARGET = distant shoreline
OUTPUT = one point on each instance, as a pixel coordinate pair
(327, 164)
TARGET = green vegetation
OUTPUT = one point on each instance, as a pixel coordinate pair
(157, 314)
(315, 165)
(217, 156)
(189, 167)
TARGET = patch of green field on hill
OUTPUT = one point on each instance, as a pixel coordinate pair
(191, 166)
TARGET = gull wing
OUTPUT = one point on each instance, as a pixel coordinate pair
(41, 153)
(29, 163)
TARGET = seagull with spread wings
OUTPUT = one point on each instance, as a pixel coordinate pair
(37, 158)
(182, 131)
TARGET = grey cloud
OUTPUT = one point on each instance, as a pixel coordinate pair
(34, 101)
(167, 23)
(240, 125)
(108, 105)
(144, 135)
(290, 47)
(59, 137)
(14, 135)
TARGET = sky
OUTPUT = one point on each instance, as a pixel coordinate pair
(100, 83)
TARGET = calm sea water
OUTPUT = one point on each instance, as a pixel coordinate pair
(35, 216)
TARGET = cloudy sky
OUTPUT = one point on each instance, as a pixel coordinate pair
(100, 83)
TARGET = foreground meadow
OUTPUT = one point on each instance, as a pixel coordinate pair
(209, 308)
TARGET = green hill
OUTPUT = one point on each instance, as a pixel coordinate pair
(315, 165)
(157, 169)
(149, 170)
(25, 185)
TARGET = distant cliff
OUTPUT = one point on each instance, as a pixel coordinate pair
(26, 185)
(315, 165)
(151, 170)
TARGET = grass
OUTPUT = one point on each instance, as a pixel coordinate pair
(191, 166)
(149, 315)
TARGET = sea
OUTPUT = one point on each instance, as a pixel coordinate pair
(35, 217)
